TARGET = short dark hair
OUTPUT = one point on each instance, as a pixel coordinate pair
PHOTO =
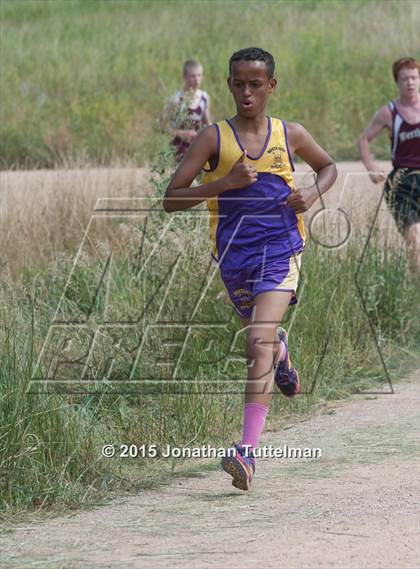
(404, 63)
(254, 54)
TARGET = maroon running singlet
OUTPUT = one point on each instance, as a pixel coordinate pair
(405, 140)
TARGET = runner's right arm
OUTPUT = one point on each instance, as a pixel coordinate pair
(380, 120)
(179, 195)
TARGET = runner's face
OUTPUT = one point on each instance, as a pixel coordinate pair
(193, 77)
(408, 81)
(250, 87)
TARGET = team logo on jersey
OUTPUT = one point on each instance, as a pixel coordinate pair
(410, 135)
(277, 152)
(241, 291)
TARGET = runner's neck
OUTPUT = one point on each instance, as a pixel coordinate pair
(254, 125)
(411, 101)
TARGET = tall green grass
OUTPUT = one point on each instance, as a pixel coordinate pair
(87, 79)
(51, 439)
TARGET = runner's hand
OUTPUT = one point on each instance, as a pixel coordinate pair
(377, 176)
(301, 200)
(187, 135)
(242, 174)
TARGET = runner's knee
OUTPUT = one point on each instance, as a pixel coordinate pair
(260, 345)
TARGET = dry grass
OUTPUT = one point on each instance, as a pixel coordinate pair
(362, 203)
(44, 213)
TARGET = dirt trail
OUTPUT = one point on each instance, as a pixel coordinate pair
(356, 507)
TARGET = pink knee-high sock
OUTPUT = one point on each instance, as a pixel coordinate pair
(254, 420)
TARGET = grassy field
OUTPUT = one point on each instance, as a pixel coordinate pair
(51, 442)
(87, 79)
(51, 437)
(83, 83)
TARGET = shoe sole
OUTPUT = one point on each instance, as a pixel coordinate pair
(235, 468)
(293, 370)
(283, 338)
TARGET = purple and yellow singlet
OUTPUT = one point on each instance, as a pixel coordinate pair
(254, 225)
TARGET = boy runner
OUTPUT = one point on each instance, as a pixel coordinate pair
(188, 111)
(401, 118)
(256, 228)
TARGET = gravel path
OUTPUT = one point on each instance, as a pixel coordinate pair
(356, 507)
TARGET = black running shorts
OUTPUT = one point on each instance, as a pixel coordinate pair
(402, 194)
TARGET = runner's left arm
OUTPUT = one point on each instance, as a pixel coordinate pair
(207, 115)
(304, 145)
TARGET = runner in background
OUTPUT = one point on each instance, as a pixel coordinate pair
(187, 111)
(401, 118)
